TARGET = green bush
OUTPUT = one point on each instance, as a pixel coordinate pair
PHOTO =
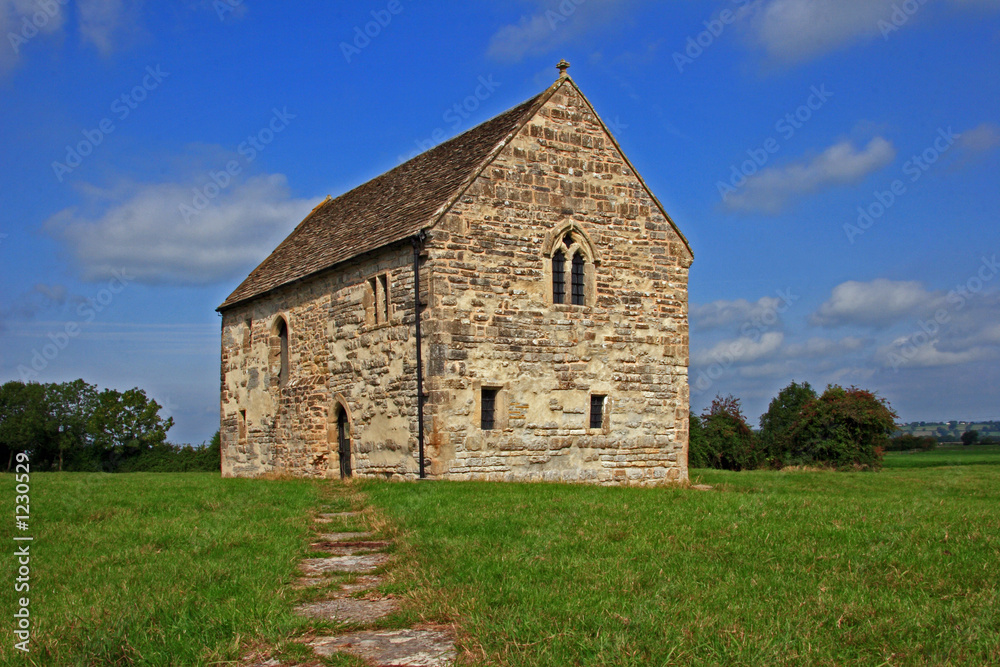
(908, 442)
(776, 424)
(724, 440)
(844, 428)
(698, 456)
(166, 457)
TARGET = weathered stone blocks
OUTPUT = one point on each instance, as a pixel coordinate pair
(488, 320)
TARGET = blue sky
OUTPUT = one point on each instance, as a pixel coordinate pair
(833, 164)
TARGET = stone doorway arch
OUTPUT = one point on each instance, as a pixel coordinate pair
(338, 435)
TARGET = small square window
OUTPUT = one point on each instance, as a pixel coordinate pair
(488, 409)
(596, 411)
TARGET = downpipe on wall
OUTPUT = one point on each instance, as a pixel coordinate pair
(418, 244)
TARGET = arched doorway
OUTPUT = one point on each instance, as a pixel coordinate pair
(343, 442)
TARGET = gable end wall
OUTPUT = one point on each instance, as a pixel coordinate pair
(492, 321)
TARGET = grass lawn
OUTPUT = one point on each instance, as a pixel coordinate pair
(804, 568)
(945, 456)
(800, 568)
(163, 569)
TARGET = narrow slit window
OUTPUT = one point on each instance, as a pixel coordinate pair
(383, 282)
(558, 277)
(283, 352)
(596, 411)
(371, 305)
(578, 292)
(247, 334)
(242, 430)
(488, 403)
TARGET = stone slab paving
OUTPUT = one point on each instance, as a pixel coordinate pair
(356, 553)
(349, 548)
(412, 647)
(349, 610)
(266, 661)
(365, 582)
(344, 537)
(330, 516)
(361, 564)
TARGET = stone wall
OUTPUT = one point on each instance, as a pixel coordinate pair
(493, 322)
(342, 354)
(490, 322)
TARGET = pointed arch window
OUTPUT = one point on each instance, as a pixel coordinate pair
(571, 265)
(578, 279)
(558, 277)
(279, 350)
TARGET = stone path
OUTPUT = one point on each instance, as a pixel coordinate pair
(363, 563)
(412, 647)
(354, 561)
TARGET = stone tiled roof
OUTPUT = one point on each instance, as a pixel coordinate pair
(389, 208)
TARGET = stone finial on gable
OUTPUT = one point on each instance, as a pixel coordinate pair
(562, 67)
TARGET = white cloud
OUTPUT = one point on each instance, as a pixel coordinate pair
(555, 23)
(799, 359)
(983, 137)
(878, 303)
(770, 189)
(105, 22)
(796, 30)
(851, 375)
(823, 347)
(918, 352)
(141, 229)
(723, 313)
(769, 369)
(740, 350)
(25, 19)
(40, 298)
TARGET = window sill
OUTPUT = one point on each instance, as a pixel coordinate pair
(375, 327)
(571, 308)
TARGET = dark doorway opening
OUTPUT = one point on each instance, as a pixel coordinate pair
(343, 444)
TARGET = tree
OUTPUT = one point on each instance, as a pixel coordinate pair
(697, 449)
(126, 424)
(25, 424)
(776, 424)
(70, 426)
(729, 443)
(844, 428)
(70, 406)
(970, 437)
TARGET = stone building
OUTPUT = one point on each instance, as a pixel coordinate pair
(552, 342)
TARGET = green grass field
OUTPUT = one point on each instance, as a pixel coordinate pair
(771, 568)
(945, 456)
(787, 568)
(160, 569)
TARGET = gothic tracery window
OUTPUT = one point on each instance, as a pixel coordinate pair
(573, 247)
